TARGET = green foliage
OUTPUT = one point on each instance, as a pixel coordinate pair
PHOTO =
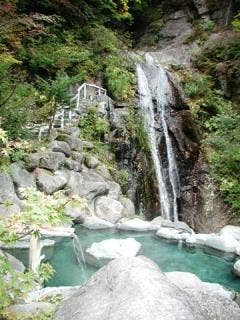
(236, 23)
(208, 25)
(196, 86)
(119, 81)
(121, 176)
(225, 155)
(136, 129)
(45, 272)
(13, 284)
(93, 126)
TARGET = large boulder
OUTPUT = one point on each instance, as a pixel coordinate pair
(78, 212)
(100, 253)
(135, 288)
(87, 184)
(73, 165)
(74, 142)
(60, 146)
(52, 160)
(108, 209)
(135, 224)
(191, 283)
(9, 209)
(221, 243)
(91, 162)
(232, 231)
(49, 182)
(21, 177)
(129, 209)
(114, 190)
(178, 225)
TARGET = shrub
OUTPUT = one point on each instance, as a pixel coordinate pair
(93, 126)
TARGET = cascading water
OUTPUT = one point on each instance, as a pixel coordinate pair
(78, 250)
(164, 98)
(148, 109)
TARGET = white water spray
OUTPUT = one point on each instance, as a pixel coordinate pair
(148, 109)
(164, 99)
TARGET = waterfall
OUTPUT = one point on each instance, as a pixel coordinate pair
(164, 98)
(148, 109)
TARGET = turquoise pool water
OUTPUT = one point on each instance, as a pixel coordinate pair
(208, 266)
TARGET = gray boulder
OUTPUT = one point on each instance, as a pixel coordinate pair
(135, 288)
(78, 156)
(60, 146)
(78, 212)
(129, 209)
(21, 177)
(49, 182)
(172, 234)
(73, 165)
(100, 253)
(52, 160)
(73, 132)
(135, 224)
(157, 222)
(87, 145)
(191, 283)
(16, 264)
(9, 209)
(95, 223)
(178, 225)
(114, 190)
(32, 160)
(104, 172)
(108, 209)
(7, 191)
(91, 162)
(74, 142)
(87, 184)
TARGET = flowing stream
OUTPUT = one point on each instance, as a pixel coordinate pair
(164, 98)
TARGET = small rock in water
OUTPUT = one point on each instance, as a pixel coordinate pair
(102, 252)
(135, 225)
(236, 268)
(95, 223)
(172, 234)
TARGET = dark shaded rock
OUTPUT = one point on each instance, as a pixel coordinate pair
(60, 146)
(52, 160)
(73, 165)
(49, 182)
(91, 162)
(78, 156)
(32, 161)
(21, 177)
(87, 184)
(7, 191)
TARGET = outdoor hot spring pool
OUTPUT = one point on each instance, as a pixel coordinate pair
(207, 265)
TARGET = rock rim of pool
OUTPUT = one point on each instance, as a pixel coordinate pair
(100, 253)
(135, 288)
